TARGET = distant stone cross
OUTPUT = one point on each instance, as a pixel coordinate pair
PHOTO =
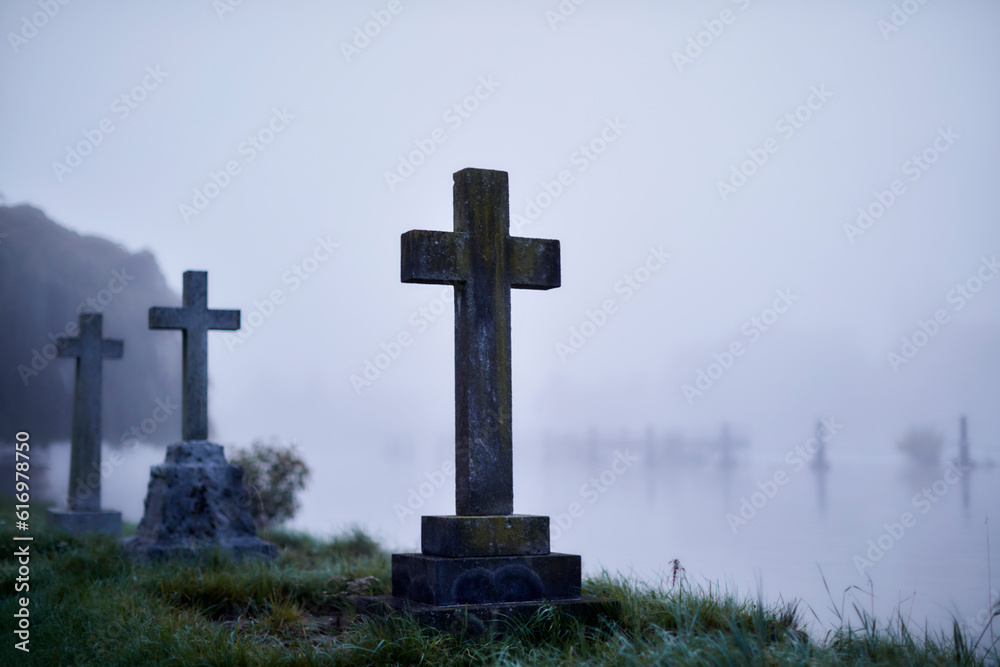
(964, 459)
(195, 320)
(483, 262)
(90, 350)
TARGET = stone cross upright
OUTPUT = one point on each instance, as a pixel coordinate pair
(483, 262)
(195, 320)
(90, 350)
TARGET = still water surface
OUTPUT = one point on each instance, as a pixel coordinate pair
(630, 509)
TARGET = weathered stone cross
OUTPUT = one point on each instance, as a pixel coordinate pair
(90, 350)
(483, 262)
(195, 319)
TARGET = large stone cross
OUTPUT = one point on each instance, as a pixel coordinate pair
(483, 262)
(195, 319)
(90, 350)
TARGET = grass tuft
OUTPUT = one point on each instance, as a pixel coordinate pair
(91, 606)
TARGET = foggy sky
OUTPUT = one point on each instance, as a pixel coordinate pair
(672, 130)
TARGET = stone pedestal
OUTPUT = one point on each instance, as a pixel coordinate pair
(486, 619)
(482, 570)
(108, 522)
(439, 580)
(196, 502)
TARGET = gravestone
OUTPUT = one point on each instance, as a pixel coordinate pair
(83, 497)
(486, 562)
(964, 457)
(196, 500)
(820, 463)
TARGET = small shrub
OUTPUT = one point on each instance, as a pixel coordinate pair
(273, 474)
(923, 446)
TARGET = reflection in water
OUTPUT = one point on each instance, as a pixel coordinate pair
(672, 503)
(966, 494)
(727, 446)
(821, 466)
(727, 472)
(822, 437)
(676, 504)
(918, 477)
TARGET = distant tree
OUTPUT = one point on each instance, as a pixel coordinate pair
(923, 446)
(273, 474)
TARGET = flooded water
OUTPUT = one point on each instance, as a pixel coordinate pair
(914, 537)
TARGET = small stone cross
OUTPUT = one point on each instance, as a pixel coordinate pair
(195, 320)
(90, 350)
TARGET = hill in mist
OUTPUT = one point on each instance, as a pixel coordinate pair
(48, 274)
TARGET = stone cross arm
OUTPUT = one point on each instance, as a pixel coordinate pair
(110, 348)
(90, 346)
(161, 317)
(442, 258)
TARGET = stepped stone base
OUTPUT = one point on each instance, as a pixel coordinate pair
(476, 574)
(196, 503)
(480, 619)
(77, 522)
(440, 580)
(493, 535)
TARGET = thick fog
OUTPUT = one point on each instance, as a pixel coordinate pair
(769, 213)
(643, 110)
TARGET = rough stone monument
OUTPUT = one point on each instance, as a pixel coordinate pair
(485, 563)
(196, 500)
(83, 498)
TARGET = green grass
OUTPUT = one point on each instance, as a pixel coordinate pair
(89, 606)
